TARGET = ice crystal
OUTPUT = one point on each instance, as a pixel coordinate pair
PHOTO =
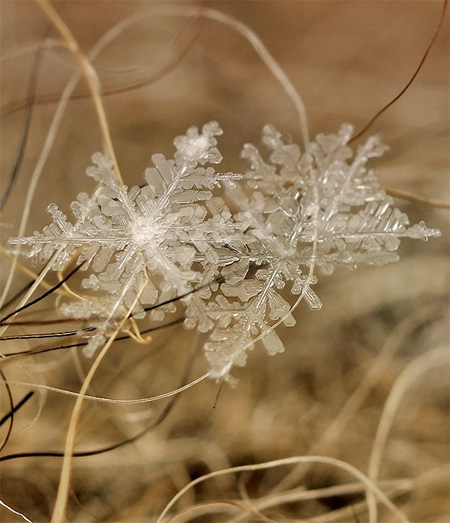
(291, 212)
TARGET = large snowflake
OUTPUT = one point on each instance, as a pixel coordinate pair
(176, 233)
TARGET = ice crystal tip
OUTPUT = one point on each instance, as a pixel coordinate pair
(250, 241)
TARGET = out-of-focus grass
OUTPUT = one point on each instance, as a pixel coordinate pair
(347, 59)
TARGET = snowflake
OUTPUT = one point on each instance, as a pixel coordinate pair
(175, 234)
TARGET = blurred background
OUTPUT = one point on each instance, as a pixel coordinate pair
(162, 72)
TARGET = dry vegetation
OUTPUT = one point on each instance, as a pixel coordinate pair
(364, 381)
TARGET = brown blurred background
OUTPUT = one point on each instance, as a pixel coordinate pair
(160, 76)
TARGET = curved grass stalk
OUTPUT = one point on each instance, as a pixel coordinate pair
(368, 484)
(48, 43)
(66, 470)
(362, 390)
(90, 75)
(102, 399)
(411, 373)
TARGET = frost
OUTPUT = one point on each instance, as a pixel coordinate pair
(249, 242)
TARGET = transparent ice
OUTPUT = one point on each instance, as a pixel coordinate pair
(247, 241)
